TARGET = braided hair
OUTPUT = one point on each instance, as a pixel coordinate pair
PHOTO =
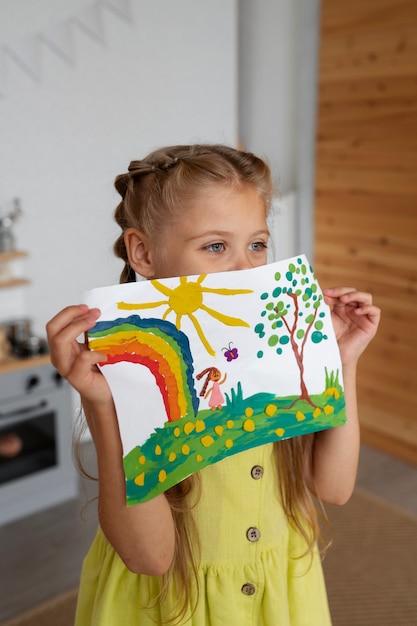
(153, 189)
(209, 371)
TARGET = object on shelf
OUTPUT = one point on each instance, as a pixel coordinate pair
(5, 346)
(6, 273)
(23, 342)
(7, 239)
(10, 275)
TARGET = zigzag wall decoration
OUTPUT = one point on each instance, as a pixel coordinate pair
(25, 54)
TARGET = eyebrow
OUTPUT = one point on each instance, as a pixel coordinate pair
(226, 233)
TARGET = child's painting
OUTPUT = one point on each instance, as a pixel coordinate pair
(203, 367)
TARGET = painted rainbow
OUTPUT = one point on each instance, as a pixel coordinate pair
(158, 345)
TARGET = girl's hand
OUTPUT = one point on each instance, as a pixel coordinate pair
(355, 320)
(73, 360)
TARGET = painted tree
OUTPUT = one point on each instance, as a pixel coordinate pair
(294, 317)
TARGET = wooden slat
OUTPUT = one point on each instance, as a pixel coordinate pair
(398, 130)
(366, 197)
(384, 160)
(396, 89)
(358, 16)
(370, 179)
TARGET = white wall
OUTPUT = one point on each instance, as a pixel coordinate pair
(278, 49)
(173, 72)
(267, 76)
(166, 75)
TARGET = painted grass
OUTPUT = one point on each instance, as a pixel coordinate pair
(187, 445)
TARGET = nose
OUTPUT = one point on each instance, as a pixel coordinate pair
(241, 261)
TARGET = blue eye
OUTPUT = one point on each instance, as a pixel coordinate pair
(215, 247)
(258, 246)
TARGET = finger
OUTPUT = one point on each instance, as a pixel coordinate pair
(357, 298)
(84, 367)
(348, 296)
(62, 333)
(64, 317)
(89, 359)
(72, 322)
(337, 292)
(333, 294)
(371, 311)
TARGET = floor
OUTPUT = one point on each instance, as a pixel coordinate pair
(41, 555)
(388, 478)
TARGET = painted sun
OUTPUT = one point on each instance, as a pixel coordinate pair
(185, 300)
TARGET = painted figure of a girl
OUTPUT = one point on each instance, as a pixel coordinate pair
(216, 400)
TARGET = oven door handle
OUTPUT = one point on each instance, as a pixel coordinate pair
(24, 410)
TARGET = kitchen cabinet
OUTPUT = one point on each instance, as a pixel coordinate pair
(36, 407)
(7, 277)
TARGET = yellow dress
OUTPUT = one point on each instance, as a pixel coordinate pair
(249, 573)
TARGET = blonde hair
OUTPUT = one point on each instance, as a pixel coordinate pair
(153, 190)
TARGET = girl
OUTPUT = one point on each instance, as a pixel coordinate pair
(216, 396)
(237, 543)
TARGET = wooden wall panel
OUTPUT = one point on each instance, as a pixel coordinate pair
(366, 197)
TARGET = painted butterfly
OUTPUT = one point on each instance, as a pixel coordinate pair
(230, 353)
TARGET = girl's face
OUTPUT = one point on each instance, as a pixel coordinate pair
(222, 230)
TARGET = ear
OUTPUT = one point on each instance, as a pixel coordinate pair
(138, 252)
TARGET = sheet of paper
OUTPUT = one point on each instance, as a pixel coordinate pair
(203, 367)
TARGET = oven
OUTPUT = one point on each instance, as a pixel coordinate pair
(36, 411)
